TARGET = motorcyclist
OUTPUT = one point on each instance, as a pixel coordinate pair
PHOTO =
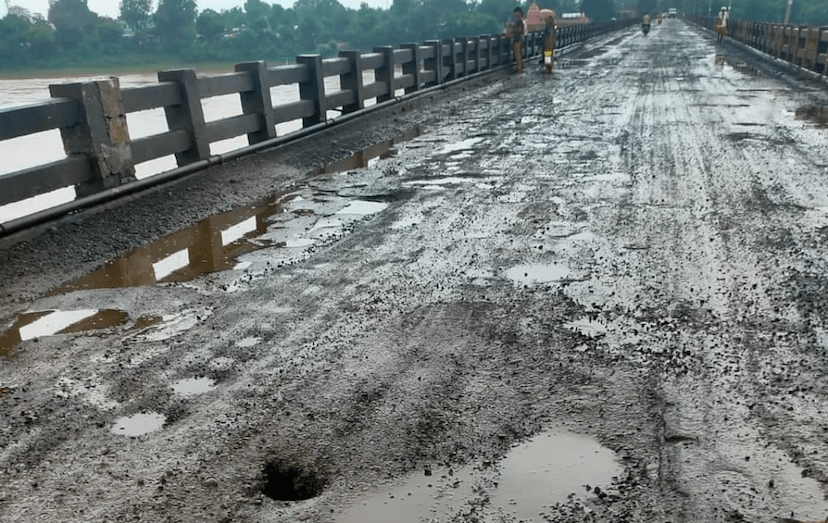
(645, 23)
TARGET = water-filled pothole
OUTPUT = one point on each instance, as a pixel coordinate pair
(550, 467)
(215, 244)
(414, 498)
(139, 424)
(210, 246)
(367, 156)
(816, 114)
(542, 273)
(283, 482)
(193, 386)
(32, 325)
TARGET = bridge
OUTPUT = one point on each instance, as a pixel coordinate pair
(359, 325)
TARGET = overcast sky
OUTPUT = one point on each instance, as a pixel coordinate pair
(110, 7)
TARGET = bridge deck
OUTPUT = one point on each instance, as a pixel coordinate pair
(632, 248)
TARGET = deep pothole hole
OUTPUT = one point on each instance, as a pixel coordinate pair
(284, 482)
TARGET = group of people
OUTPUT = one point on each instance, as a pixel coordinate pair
(516, 29)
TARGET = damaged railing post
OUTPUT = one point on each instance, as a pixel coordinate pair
(313, 89)
(188, 115)
(447, 57)
(385, 73)
(258, 101)
(101, 134)
(436, 62)
(413, 67)
(352, 81)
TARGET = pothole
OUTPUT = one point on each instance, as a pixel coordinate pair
(139, 424)
(419, 496)
(193, 386)
(548, 469)
(284, 482)
(33, 325)
(542, 273)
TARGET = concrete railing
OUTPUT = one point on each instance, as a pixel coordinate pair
(803, 46)
(101, 158)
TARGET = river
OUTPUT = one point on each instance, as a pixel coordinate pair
(40, 148)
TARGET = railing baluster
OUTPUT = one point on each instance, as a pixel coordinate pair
(187, 116)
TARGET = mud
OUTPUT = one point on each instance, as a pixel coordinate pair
(631, 251)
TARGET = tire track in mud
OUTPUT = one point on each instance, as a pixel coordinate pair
(708, 418)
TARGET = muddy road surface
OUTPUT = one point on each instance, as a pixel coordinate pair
(598, 295)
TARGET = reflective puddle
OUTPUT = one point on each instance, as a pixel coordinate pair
(540, 273)
(210, 246)
(418, 498)
(587, 327)
(815, 114)
(548, 469)
(368, 156)
(32, 325)
(138, 424)
(246, 343)
(215, 244)
(193, 386)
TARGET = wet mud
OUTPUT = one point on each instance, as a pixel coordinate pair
(593, 296)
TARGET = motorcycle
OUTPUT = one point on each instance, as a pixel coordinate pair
(645, 28)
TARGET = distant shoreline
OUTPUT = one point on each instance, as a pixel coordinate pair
(97, 71)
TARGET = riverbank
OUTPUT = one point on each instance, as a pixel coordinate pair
(115, 70)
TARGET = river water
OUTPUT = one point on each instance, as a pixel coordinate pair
(41, 148)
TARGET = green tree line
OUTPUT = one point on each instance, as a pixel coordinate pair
(151, 30)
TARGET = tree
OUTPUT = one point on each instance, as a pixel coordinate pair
(471, 23)
(598, 10)
(210, 26)
(41, 39)
(14, 33)
(175, 22)
(500, 10)
(137, 14)
(646, 6)
(72, 20)
(108, 31)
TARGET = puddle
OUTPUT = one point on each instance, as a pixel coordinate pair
(39, 324)
(748, 70)
(815, 114)
(363, 208)
(587, 327)
(161, 328)
(369, 155)
(537, 474)
(548, 468)
(417, 498)
(193, 386)
(540, 273)
(459, 147)
(138, 424)
(246, 343)
(215, 244)
(210, 246)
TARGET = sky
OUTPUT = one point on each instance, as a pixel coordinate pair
(110, 7)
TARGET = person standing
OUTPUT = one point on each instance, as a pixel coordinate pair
(721, 24)
(518, 32)
(550, 40)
